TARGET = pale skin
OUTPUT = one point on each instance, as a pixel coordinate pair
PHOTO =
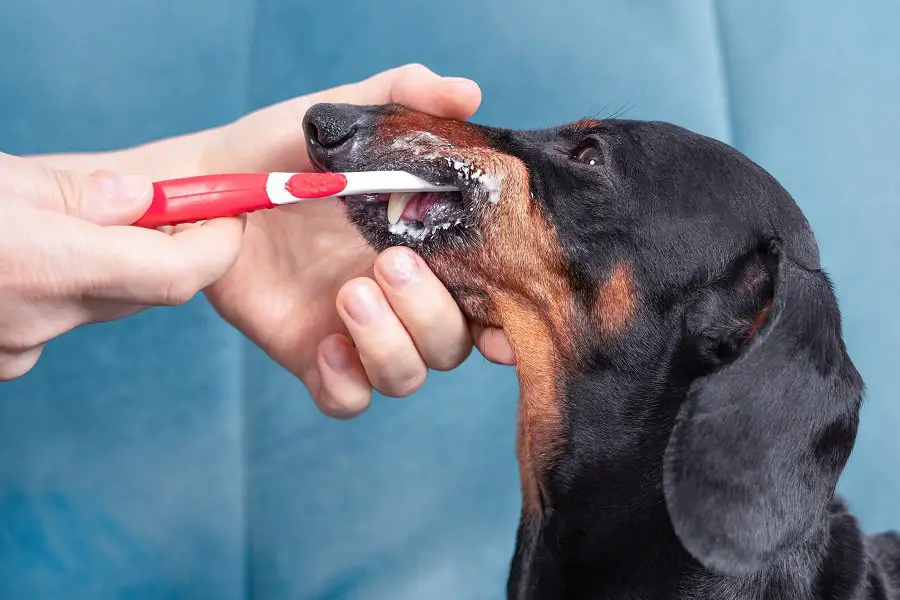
(298, 281)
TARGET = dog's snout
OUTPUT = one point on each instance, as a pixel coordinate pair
(331, 125)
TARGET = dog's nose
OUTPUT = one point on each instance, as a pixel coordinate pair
(331, 125)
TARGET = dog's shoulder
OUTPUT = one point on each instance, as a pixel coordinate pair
(859, 566)
(883, 553)
(850, 566)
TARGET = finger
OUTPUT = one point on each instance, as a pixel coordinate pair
(172, 229)
(344, 390)
(265, 140)
(494, 345)
(139, 266)
(102, 197)
(15, 364)
(425, 307)
(100, 311)
(420, 89)
(387, 352)
(414, 85)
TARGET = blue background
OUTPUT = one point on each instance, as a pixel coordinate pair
(127, 470)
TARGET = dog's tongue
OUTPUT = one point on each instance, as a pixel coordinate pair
(410, 206)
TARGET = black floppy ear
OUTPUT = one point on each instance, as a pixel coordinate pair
(761, 440)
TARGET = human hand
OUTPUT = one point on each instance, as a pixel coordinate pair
(297, 260)
(66, 259)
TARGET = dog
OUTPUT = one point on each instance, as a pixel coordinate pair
(687, 401)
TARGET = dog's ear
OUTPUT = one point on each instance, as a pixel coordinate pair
(763, 435)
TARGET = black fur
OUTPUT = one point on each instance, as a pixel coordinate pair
(701, 448)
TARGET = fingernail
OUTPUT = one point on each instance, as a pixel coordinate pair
(124, 189)
(336, 357)
(363, 306)
(402, 269)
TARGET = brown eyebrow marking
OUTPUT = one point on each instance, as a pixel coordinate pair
(616, 301)
(584, 125)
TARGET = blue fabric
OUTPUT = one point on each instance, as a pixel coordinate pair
(128, 469)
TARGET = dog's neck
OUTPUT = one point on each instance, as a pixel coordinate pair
(599, 481)
(603, 525)
(605, 492)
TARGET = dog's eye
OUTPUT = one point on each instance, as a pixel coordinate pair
(589, 155)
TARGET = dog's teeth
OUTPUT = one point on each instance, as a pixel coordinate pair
(396, 205)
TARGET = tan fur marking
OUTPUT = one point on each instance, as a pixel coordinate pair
(760, 320)
(616, 300)
(400, 123)
(539, 417)
(518, 264)
(520, 267)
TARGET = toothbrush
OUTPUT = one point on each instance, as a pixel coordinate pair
(207, 197)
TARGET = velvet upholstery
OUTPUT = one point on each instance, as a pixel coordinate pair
(166, 457)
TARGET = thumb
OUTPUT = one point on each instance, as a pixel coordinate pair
(102, 197)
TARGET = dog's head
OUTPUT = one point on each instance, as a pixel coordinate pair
(663, 297)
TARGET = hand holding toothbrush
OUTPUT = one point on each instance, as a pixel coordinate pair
(302, 271)
(68, 256)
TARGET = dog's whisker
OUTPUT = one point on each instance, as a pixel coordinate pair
(626, 108)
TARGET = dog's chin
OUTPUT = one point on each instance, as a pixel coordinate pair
(431, 223)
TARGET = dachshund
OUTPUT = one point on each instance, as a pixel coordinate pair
(687, 402)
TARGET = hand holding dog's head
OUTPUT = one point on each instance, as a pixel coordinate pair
(607, 241)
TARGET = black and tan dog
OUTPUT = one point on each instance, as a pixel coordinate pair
(687, 402)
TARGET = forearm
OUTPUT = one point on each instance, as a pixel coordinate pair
(181, 156)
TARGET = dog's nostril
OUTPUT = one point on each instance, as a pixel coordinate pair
(334, 134)
(312, 132)
(330, 126)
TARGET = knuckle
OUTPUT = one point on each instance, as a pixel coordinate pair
(393, 365)
(403, 381)
(410, 385)
(179, 286)
(66, 187)
(22, 340)
(178, 293)
(447, 361)
(444, 343)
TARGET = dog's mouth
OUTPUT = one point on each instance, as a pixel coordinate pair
(418, 219)
(416, 216)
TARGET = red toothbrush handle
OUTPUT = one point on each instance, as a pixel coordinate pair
(205, 197)
(212, 196)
